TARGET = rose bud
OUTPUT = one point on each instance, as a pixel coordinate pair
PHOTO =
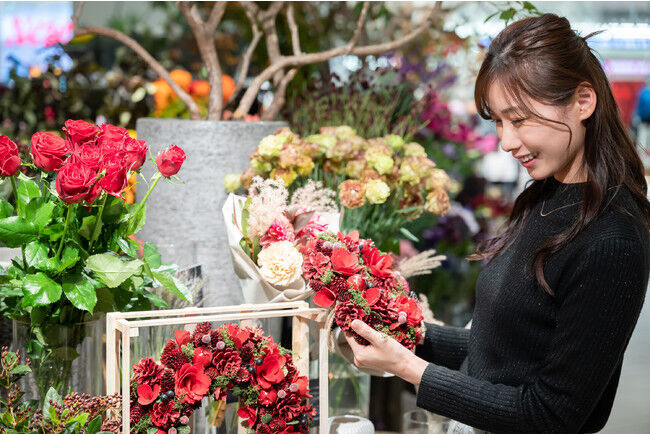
(48, 151)
(80, 133)
(75, 182)
(170, 160)
(9, 157)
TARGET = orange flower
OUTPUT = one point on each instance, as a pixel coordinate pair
(200, 88)
(182, 78)
(352, 193)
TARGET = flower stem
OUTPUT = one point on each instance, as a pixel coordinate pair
(95, 234)
(157, 178)
(13, 186)
(65, 230)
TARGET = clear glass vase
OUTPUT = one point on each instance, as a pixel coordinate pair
(69, 358)
(349, 388)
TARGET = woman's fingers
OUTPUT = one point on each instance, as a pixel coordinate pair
(367, 332)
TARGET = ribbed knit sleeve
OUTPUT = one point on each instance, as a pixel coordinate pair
(444, 345)
(600, 302)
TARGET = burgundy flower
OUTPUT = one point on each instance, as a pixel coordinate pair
(227, 361)
(75, 182)
(289, 408)
(148, 371)
(315, 264)
(164, 414)
(346, 313)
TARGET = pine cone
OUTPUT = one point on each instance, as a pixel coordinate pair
(227, 361)
(277, 425)
(137, 411)
(346, 313)
(243, 376)
(167, 380)
(264, 429)
(247, 351)
(212, 372)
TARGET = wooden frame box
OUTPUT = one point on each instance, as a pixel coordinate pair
(121, 327)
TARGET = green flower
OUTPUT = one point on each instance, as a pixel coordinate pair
(271, 146)
(377, 191)
(260, 166)
(382, 164)
(414, 150)
(323, 140)
(395, 142)
(408, 173)
(232, 182)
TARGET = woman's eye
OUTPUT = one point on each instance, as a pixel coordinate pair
(495, 121)
(517, 121)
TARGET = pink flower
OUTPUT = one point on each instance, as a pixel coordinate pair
(280, 230)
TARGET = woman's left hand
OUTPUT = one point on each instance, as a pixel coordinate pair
(384, 353)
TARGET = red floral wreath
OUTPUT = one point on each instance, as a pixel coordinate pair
(352, 275)
(272, 394)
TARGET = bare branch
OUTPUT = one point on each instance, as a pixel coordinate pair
(140, 51)
(360, 23)
(205, 42)
(251, 11)
(267, 19)
(310, 58)
(279, 98)
(295, 37)
(215, 16)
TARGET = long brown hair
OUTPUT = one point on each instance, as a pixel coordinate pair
(543, 59)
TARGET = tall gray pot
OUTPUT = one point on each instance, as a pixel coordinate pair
(185, 221)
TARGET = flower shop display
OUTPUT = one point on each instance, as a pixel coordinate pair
(78, 259)
(350, 276)
(264, 230)
(382, 182)
(213, 357)
(74, 413)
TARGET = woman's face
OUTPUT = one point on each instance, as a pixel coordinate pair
(542, 147)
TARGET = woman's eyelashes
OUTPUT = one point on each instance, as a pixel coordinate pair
(514, 122)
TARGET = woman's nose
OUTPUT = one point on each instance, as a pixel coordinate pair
(509, 140)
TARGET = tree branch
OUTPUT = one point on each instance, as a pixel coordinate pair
(215, 16)
(278, 100)
(251, 11)
(360, 23)
(267, 19)
(205, 42)
(131, 43)
(295, 37)
(309, 58)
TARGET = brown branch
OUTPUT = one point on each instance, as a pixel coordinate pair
(278, 100)
(295, 36)
(310, 58)
(357, 31)
(251, 11)
(131, 43)
(215, 16)
(205, 42)
(267, 19)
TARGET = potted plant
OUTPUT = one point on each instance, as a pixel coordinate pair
(78, 255)
(223, 147)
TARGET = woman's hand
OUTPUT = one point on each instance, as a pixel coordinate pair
(385, 354)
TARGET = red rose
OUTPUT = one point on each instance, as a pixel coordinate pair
(136, 153)
(345, 262)
(170, 160)
(182, 337)
(408, 309)
(191, 384)
(324, 298)
(115, 180)
(80, 132)
(88, 155)
(9, 157)
(357, 282)
(164, 414)
(112, 139)
(147, 371)
(380, 265)
(48, 151)
(249, 414)
(75, 182)
(147, 395)
(270, 371)
(202, 357)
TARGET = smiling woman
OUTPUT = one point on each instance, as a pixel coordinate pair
(564, 283)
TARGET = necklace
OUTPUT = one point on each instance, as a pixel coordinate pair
(541, 210)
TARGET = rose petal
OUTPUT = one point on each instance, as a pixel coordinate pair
(324, 298)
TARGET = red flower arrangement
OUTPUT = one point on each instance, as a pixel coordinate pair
(273, 395)
(352, 276)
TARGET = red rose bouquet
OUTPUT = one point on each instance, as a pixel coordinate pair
(353, 278)
(273, 396)
(78, 259)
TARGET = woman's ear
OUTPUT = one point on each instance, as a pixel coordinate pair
(585, 100)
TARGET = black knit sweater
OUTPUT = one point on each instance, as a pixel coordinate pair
(535, 363)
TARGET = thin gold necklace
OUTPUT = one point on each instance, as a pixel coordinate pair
(541, 210)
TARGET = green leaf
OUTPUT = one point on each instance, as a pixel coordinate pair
(54, 232)
(39, 290)
(69, 257)
(35, 252)
(127, 246)
(266, 418)
(15, 231)
(20, 370)
(111, 270)
(39, 212)
(88, 225)
(156, 300)
(51, 395)
(105, 300)
(151, 256)
(114, 209)
(51, 265)
(135, 219)
(174, 286)
(408, 235)
(6, 209)
(80, 291)
(26, 190)
(81, 418)
(94, 425)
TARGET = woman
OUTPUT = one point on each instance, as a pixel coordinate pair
(565, 282)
